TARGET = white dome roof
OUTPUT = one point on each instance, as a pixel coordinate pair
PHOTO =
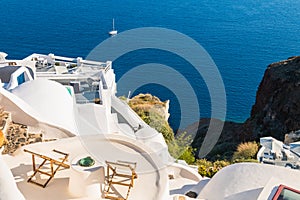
(247, 180)
(51, 100)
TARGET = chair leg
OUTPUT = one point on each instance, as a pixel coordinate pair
(36, 170)
(128, 193)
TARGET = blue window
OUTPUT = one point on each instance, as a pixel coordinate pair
(21, 79)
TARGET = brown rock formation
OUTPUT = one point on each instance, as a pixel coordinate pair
(275, 113)
(277, 107)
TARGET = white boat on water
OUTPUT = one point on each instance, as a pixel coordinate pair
(113, 31)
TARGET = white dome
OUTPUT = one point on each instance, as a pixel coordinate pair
(247, 180)
(51, 100)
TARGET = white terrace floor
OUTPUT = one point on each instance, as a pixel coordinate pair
(77, 183)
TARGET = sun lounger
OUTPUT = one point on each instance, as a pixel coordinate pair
(53, 162)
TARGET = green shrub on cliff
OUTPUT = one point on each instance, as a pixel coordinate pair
(180, 148)
(152, 111)
(157, 122)
(208, 168)
(188, 155)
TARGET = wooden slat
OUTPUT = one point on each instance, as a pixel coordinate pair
(119, 183)
(36, 183)
(60, 152)
(125, 175)
(45, 173)
(114, 198)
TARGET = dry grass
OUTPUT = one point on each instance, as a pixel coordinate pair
(146, 99)
(246, 150)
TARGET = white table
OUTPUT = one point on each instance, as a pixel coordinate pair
(86, 181)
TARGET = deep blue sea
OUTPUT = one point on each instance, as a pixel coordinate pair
(242, 37)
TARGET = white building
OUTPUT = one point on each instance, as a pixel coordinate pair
(85, 96)
(73, 102)
(295, 147)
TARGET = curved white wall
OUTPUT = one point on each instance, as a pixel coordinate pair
(23, 113)
(51, 100)
(18, 108)
(179, 170)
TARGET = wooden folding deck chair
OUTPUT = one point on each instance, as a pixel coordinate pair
(119, 173)
(52, 163)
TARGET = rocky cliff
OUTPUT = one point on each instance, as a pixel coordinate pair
(277, 107)
(275, 113)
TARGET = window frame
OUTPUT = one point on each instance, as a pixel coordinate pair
(282, 187)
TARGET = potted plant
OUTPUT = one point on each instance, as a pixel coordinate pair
(86, 162)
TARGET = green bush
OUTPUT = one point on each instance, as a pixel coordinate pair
(219, 164)
(149, 108)
(180, 148)
(157, 122)
(208, 168)
(145, 107)
(204, 162)
(188, 155)
(202, 170)
(207, 172)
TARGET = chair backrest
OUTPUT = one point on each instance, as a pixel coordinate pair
(120, 173)
(58, 162)
(122, 166)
